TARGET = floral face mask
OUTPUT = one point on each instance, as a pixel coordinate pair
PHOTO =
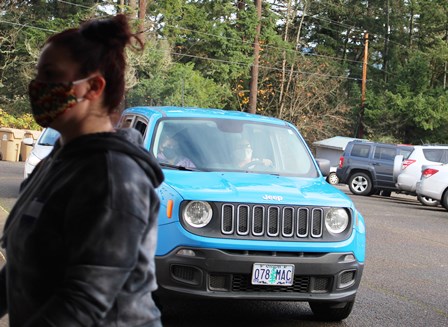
(50, 100)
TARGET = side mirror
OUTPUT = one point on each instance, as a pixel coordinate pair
(28, 141)
(324, 166)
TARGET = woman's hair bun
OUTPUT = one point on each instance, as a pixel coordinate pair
(112, 32)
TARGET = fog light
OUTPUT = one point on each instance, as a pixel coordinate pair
(186, 252)
(346, 279)
(349, 258)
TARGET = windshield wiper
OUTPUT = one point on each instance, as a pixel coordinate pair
(163, 164)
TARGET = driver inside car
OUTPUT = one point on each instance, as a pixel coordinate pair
(245, 159)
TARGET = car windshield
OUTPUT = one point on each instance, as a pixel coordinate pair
(231, 145)
(49, 137)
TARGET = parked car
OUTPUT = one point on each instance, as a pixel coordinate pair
(434, 183)
(40, 150)
(367, 167)
(259, 232)
(332, 177)
(408, 168)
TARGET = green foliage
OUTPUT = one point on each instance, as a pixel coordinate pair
(24, 121)
(186, 87)
(199, 53)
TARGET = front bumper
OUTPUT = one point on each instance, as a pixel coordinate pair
(214, 273)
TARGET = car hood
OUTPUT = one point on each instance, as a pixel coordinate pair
(41, 151)
(254, 188)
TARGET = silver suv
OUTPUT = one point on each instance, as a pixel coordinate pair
(408, 169)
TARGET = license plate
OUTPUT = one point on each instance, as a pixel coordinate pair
(272, 274)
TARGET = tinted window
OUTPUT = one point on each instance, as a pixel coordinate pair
(360, 150)
(141, 127)
(384, 153)
(433, 154)
(405, 152)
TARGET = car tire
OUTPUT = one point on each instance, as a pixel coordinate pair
(332, 178)
(360, 184)
(444, 200)
(331, 311)
(427, 201)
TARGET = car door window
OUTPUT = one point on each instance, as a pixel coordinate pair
(360, 150)
(384, 153)
(141, 127)
(126, 122)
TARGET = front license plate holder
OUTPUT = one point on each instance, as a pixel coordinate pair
(272, 274)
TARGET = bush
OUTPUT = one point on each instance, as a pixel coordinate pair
(24, 121)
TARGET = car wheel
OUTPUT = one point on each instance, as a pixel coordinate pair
(333, 178)
(360, 184)
(427, 201)
(444, 201)
(331, 311)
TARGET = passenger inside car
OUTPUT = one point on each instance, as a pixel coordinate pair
(170, 152)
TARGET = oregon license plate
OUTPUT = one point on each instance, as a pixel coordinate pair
(272, 274)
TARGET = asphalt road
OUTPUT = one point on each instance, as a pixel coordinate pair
(405, 281)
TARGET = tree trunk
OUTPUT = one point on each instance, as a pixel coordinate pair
(285, 38)
(445, 66)
(254, 70)
(386, 42)
(141, 20)
(291, 70)
(411, 26)
(133, 8)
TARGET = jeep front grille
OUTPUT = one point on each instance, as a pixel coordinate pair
(271, 221)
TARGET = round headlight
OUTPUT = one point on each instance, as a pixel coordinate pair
(197, 214)
(336, 220)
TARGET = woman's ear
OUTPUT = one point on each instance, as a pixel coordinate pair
(97, 85)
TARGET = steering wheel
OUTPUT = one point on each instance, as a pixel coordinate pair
(256, 164)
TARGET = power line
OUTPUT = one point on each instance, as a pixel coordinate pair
(268, 46)
(29, 26)
(265, 46)
(259, 66)
(239, 40)
(74, 4)
(213, 59)
(354, 28)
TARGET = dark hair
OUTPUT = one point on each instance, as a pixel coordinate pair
(98, 45)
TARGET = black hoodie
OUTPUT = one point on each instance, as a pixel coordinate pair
(81, 238)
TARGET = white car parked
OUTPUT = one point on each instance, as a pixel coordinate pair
(41, 149)
(434, 183)
(408, 170)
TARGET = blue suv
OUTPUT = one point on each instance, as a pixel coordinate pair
(246, 212)
(368, 167)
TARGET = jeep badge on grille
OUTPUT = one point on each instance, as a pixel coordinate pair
(273, 197)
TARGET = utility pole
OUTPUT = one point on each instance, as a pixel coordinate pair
(253, 88)
(360, 133)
